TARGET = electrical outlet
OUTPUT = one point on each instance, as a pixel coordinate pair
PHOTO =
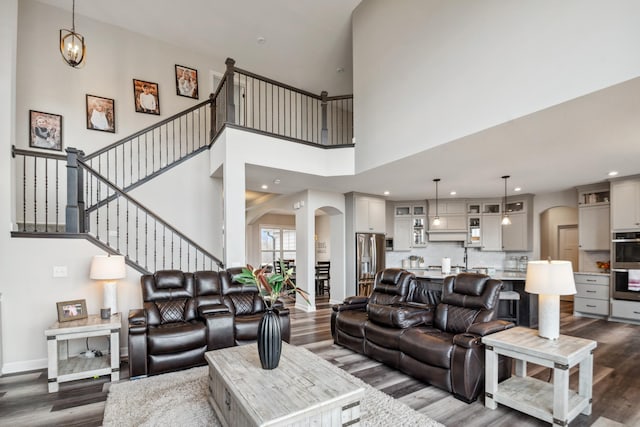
(59, 271)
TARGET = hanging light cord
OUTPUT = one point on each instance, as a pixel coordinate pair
(73, 17)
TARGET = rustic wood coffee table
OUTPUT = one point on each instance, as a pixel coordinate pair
(300, 391)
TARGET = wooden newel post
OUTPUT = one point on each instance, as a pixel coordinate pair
(324, 133)
(230, 105)
(212, 106)
(74, 214)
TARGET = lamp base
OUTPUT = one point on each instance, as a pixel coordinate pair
(110, 297)
(549, 316)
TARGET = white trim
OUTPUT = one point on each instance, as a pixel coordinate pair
(27, 365)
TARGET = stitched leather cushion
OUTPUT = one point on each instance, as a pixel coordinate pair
(171, 311)
(451, 318)
(242, 303)
(396, 316)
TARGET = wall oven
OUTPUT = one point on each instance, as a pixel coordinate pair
(625, 265)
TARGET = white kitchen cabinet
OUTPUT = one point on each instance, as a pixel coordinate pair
(369, 215)
(402, 234)
(625, 204)
(491, 233)
(409, 229)
(594, 233)
(592, 295)
(518, 236)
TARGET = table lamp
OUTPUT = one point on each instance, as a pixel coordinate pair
(108, 268)
(549, 279)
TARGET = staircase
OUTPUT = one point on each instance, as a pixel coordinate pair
(97, 205)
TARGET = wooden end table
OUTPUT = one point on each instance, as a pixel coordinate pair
(300, 391)
(63, 368)
(553, 403)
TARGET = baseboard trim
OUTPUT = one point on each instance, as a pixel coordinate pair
(26, 365)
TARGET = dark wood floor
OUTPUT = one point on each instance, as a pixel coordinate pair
(24, 400)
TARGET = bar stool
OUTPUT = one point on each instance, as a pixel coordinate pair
(514, 306)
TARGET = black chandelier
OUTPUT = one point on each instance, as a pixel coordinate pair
(72, 47)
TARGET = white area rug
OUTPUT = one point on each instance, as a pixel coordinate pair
(180, 399)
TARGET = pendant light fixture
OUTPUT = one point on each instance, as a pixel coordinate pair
(505, 215)
(72, 47)
(436, 219)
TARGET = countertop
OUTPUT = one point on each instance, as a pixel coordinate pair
(499, 274)
(592, 273)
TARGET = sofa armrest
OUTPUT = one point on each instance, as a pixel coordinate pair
(137, 343)
(212, 309)
(137, 321)
(467, 340)
(352, 303)
(486, 328)
(219, 329)
(285, 323)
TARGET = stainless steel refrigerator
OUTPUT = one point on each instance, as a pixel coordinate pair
(370, 252)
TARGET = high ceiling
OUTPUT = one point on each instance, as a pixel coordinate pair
(306, 42)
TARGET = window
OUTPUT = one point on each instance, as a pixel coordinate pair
(277, 243)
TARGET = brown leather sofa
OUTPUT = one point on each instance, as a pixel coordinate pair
(438, 344)
(187, 314)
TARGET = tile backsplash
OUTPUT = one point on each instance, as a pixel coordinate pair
(435, 251)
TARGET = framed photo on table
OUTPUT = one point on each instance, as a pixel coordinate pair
(186, 82)
(45, 130)
(101, 113)
(146, 97)
(72, 310)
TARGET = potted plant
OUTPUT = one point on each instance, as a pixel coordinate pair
(271, 286)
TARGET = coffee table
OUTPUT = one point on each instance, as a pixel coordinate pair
(302, 390)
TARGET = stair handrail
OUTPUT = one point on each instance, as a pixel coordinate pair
(146, 130)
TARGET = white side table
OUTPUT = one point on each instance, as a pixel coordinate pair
(63, 368)
(553, 403)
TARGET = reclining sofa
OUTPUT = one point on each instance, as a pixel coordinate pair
(439, 344)
(188, 314)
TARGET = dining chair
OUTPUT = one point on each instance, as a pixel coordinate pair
(323, 277)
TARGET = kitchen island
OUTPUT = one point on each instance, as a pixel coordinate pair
(512, 281)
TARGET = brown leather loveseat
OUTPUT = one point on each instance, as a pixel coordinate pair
(187, 314)
(438, 344)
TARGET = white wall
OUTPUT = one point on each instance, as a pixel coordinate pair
(459, 67)
(39, 79)
(114, 58)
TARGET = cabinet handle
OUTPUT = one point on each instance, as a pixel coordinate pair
(635, 312)
(591, 280)
(591, 292)
(593, 306)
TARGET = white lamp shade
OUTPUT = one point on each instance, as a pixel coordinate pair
(550, 278)
(107, 267)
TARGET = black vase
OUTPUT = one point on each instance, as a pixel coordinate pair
(269, 340)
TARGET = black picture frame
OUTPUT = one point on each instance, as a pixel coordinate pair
(45, 130)
(101, 113)
(143, 102)
(186, 82)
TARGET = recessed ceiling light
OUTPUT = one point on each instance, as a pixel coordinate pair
(386, 193)
(276, 181)
(613, 173)
(261, 40)
(453, 193)
(340, 70)
(264, 186)
(517, 189)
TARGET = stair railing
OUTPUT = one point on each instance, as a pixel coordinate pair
(124, 224)
(134, 160)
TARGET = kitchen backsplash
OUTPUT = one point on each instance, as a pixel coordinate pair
(435, 251)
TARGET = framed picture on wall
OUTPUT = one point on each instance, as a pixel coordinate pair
(72, 310)
(45, 130)
(146, 97)
(101, 113)
(186, 81)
